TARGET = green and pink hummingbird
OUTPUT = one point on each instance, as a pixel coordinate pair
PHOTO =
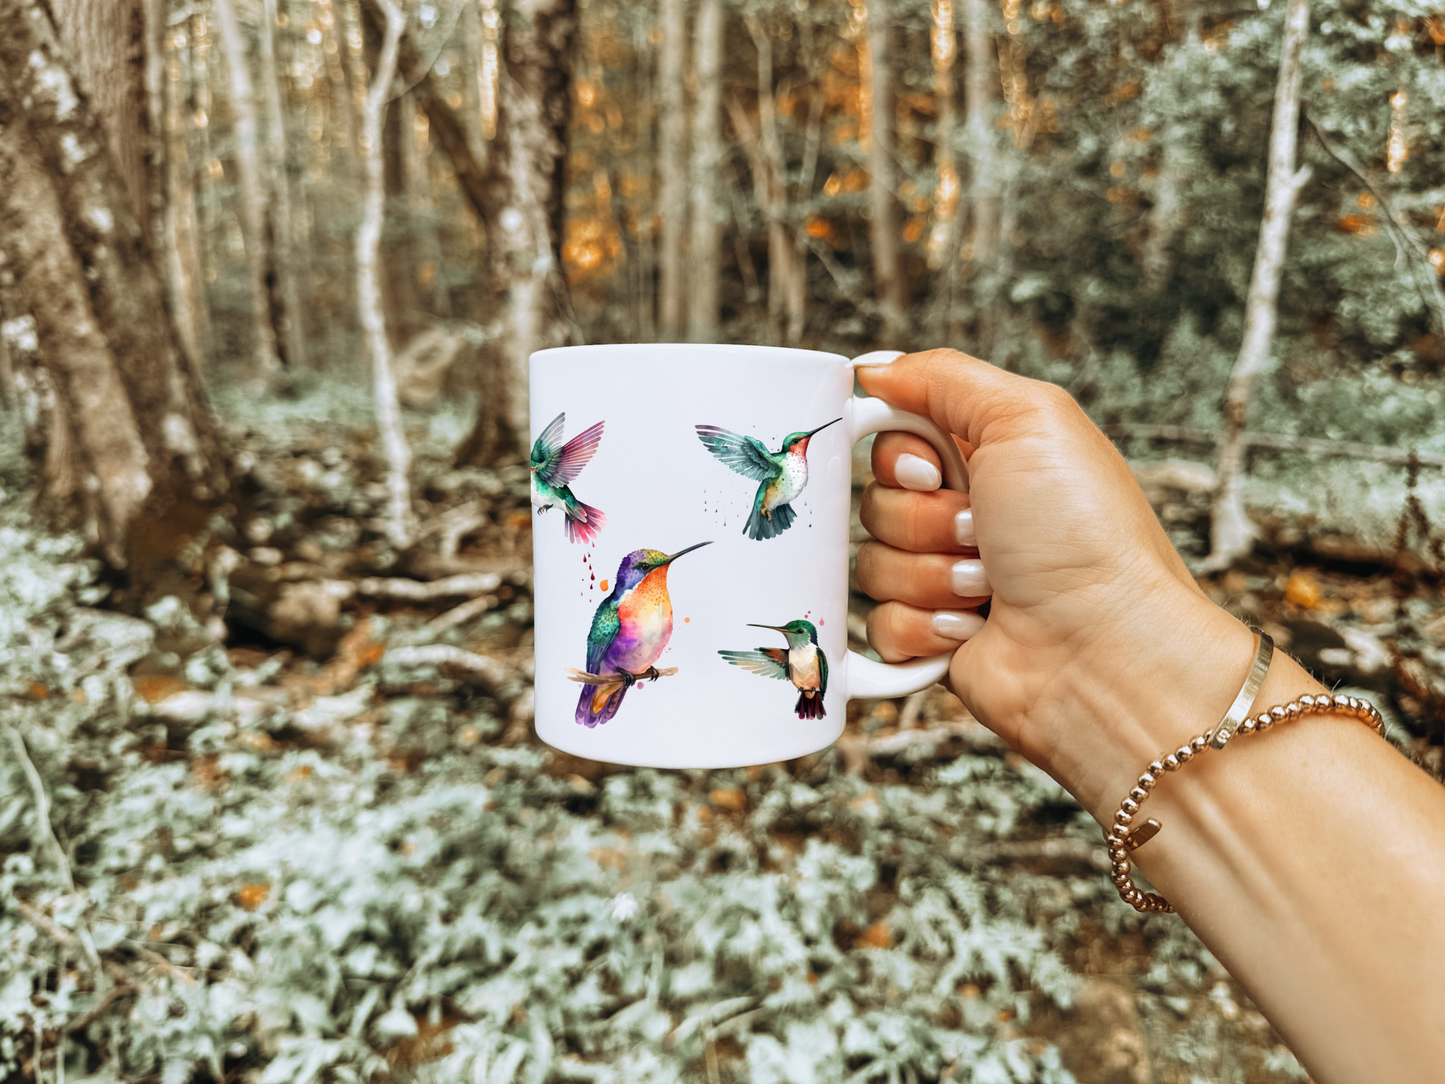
(629, 631)
(802, 662)
(781, 475)
(554, 467)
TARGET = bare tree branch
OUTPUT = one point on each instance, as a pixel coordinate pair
(1182, 434)
(1405, 238)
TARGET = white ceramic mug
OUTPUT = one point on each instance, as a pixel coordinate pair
(671, 516)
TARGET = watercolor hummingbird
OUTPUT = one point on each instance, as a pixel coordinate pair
(781, 475)
(554, 466)
(629, 631)
(803, 663)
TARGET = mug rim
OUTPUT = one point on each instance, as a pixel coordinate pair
(779, 353)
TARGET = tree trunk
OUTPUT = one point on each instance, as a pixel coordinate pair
(286, 251)
(1157, 258)
(416, 181)
(885, 215)
(672, 170)
(526, 242)
(944, 238)
(704, 268)
(141, 463)
(982, 79)
(787, 282)
(1232, 533)
(268, 364)
(179, 245)
(399, 520)
(106, 43)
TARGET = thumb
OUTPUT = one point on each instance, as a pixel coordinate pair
(978, 402)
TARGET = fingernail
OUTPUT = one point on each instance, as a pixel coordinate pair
(963, 532)
(969, 579)
(916, 473)
(957, 626)
(876, 358)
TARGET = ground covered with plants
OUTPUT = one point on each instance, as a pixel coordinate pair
(304, 833)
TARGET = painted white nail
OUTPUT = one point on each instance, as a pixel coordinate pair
(876, 357)
(916, 473)
(970, 580)
(957, 626)
(963, 532)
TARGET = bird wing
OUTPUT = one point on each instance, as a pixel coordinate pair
(545, 446)
(574, 455)
(769, 662)
(605, 624)
(746, 455)
(822, 672)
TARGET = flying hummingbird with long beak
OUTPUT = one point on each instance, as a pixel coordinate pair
(629, 632)
(802, 662)
(781, 475)
(554, 466)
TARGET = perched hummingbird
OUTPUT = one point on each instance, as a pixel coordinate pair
(554, 466)
(629, 631)
(803, 663)
(782, 474)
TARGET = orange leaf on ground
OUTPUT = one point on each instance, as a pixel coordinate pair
(38, 691)
(153, 688)
(729, 798)
(253, 895)
(1303, 590)
(877, 935)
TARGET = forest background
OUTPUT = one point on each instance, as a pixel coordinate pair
(270, 805)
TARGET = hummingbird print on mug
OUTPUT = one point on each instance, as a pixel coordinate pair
(781, 475)
(554, 467)
(629, 632)
(802, 662)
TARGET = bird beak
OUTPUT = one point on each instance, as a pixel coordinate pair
(679, 553)
(824, 426)
(775, 628)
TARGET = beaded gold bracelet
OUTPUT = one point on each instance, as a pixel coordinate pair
(1122, 837)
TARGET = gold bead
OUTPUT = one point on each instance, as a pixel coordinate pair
(1184, 754)
(1246, 727)
(1200, 743)
(1117, 832)
(1156, 768)
(1307, 701)
(1342, 701)
(1263, 721)
(1146, 782)
(1292, 709)
(1122, 880)
(1123, 818)
(1119, 855)
(1278, 714)
(1128, 805)
(1171, 763)
(1138, 794)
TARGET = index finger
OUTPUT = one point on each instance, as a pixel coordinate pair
(975, 400)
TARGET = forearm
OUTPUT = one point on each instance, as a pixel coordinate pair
(1311, 860)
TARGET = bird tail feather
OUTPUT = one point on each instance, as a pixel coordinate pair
(760, 527)
(583, 523)
(598, 704)
(810, 707)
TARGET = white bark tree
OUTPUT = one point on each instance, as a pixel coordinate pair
(984, 202)
(400, 525)
(886, 225)
(707, 154)
(1232, 532)
(267, 364)
(672, 166)
(286, 253)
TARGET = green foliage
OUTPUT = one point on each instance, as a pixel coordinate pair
(289, 911)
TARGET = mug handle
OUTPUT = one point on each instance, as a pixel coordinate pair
(864, 677)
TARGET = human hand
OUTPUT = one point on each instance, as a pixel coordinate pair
(1099, 649)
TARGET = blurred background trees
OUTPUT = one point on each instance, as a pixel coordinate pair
(1073, 190)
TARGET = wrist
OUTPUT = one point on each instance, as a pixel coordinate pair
(1154, 685)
